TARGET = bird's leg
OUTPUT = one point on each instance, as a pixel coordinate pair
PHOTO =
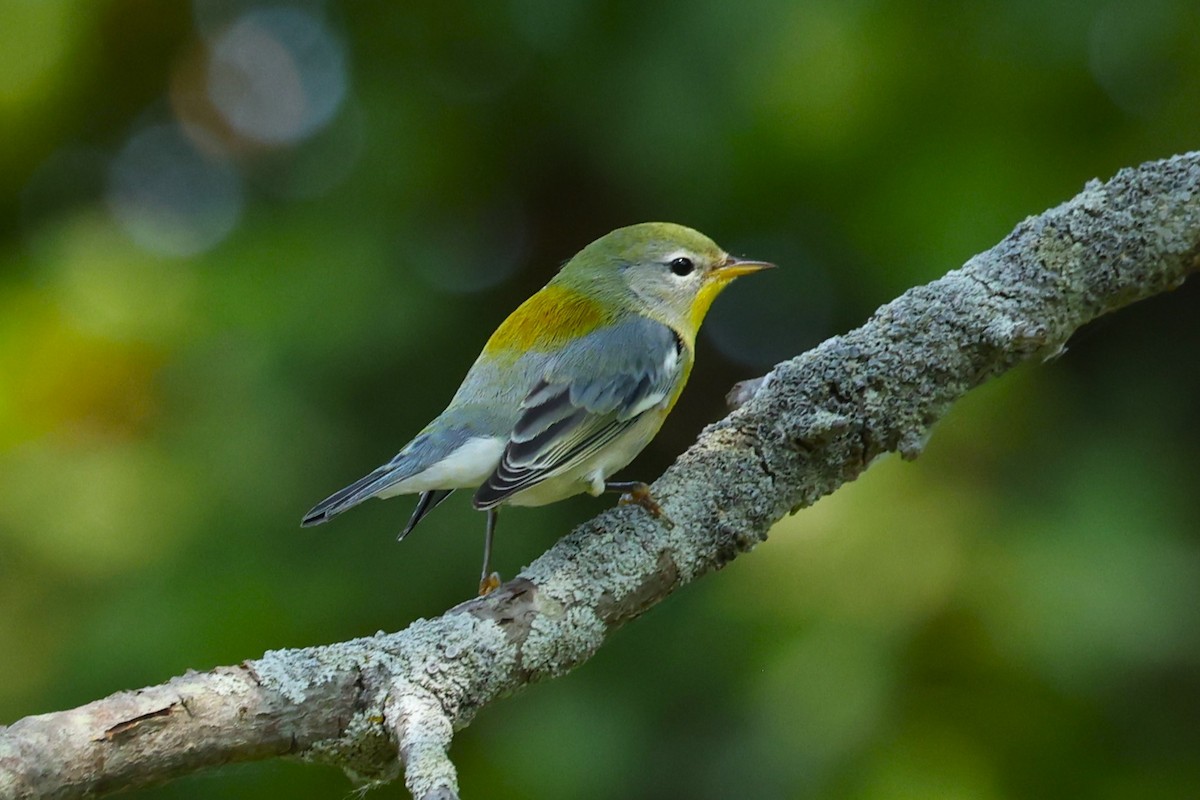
(638, 493)
(488, 581)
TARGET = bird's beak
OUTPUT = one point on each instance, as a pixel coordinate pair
(735, 267)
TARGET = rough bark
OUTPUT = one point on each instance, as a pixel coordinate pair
(812, 424)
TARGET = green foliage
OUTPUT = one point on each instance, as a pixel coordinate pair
(1013, 615)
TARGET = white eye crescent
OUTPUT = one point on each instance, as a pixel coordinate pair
(681, 263)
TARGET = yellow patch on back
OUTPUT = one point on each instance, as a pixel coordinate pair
(551, 318)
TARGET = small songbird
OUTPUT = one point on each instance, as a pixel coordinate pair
(570, 387)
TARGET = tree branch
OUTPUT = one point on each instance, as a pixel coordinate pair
(812, 424)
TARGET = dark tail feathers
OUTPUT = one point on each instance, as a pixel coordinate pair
(362, 489)
(426, 503)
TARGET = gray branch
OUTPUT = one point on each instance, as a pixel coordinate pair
(815, 422)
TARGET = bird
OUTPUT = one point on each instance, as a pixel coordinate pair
(570, 387)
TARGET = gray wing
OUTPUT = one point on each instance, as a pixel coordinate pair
(589, 394)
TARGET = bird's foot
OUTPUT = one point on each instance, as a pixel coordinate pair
(638, 493)
(489, 583)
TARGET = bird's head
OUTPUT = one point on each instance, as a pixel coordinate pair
(666, 271)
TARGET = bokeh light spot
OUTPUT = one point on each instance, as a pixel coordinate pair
(169, 198)
(316, 166)
(277, 75)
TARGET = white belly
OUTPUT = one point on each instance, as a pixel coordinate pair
(465, 468)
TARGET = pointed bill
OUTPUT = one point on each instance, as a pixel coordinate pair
(736, 267)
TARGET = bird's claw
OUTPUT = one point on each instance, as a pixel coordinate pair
(640, 496)
(489, 583)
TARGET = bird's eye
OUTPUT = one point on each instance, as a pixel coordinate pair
(682, 266)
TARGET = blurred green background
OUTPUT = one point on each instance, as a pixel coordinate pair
(248, 249)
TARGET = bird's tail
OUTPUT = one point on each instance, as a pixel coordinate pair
(430, 447)
(362, 489)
